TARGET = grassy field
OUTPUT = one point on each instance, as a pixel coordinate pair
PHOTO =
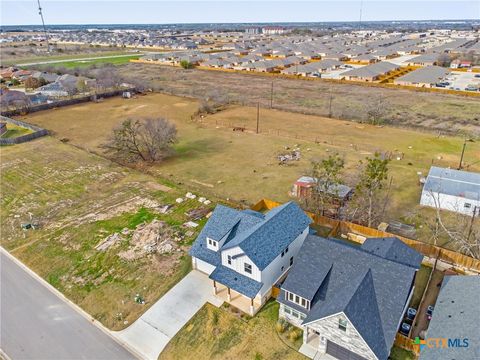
(77, 200)
(404, 108)
(14, 131)
(218, 334)
(114, 60)
(242, 165)
(25, 58)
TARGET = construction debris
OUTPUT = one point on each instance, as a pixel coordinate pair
(197, 214)
(109, 241)
(294, 155)
(179, 200)
(190, 224)
(189, 195)
(155, 237)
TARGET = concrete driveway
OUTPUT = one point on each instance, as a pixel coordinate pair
(153, 330)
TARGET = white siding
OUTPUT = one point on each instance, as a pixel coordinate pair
(274, 270)
(449, 202)
(238, 263)
(214, 244)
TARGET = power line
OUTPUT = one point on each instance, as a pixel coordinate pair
(43, 23)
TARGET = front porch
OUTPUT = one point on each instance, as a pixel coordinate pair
(247, 305)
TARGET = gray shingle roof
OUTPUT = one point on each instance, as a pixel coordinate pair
(373, 70)
(267, 239)
(234, 280)
(427, 75)
(370, 289)
(392, 249)
(456, 316)
(453, 182)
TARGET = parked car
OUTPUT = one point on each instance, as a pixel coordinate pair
(405, 329)
(471, 88)
(477, 75)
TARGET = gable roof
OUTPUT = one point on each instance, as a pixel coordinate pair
(393, 249)
(268, 238)
(337, 277)
(453, 182)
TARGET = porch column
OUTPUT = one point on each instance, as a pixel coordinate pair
(305, 334)
(214, 287)
(251, 307)
(229, 296)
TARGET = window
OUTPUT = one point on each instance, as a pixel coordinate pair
(247, 268)
(290, 296)
(283, 253)
(229, 260)
(287, 310)
(295, 313)
(210, 242)
(342, 324)
(302, 316)
(282, 268)
(304, 302)
(286, 250)
(297, 299)
(291, 261)
(467, 205)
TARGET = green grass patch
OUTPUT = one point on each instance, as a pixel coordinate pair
(14, 131)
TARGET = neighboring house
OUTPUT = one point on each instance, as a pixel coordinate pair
(371, 72)
(13, 98)
(349, 300)
(246, 252)
(424, 77)
(453, 190)
(456, 316)
(55, 89)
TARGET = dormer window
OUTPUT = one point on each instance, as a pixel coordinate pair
(212, 244)
(247, 268)
(342, 324)
(229, 260)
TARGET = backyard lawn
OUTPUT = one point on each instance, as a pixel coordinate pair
(222, 334)
(114, 60)
(243, 166)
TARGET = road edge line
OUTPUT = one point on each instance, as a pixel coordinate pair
(69, 302)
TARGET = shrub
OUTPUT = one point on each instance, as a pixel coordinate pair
(281, 325)
(293, 335)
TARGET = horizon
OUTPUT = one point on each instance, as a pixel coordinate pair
(86, 12)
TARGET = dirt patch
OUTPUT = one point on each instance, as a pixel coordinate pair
(153, 238)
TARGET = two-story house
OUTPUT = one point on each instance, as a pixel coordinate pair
(348, 299)
(246, 252)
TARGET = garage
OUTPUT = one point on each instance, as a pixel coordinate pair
(341, 353)
(203, 266)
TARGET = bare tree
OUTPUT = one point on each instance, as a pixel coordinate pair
(375, 110)
(459, 229)
(147, 140)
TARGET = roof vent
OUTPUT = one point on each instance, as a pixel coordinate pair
(235, 278)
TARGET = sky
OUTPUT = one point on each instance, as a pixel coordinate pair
(25, 12)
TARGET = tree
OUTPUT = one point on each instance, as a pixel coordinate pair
(444, 60)
(186, 64)
(326, 173)
(369, 201)
(375, 109)
(34, 83)
(461, 230)
(147, 140)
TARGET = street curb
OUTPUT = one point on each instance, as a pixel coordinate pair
(74, 306)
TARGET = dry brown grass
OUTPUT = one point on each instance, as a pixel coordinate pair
(243, 166)
(431, 111)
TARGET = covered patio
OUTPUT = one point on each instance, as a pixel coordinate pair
(236, 289)
(247, 305)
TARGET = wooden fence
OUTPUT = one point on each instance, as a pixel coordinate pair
(407, 344)
(359, 233)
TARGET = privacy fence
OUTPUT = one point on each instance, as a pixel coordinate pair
(37, 132)
(359, 233)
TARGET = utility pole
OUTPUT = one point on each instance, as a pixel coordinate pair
(463, 152)
(470, 228)
(44, 27)
(271, 96)
(258, 115)
(330, 104)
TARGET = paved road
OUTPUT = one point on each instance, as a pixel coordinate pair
(37, 324)
(78, 59)
(153, 330)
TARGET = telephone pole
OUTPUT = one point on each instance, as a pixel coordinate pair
(258, 115)
(463, 152)
(43, 24)
(271, 96)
